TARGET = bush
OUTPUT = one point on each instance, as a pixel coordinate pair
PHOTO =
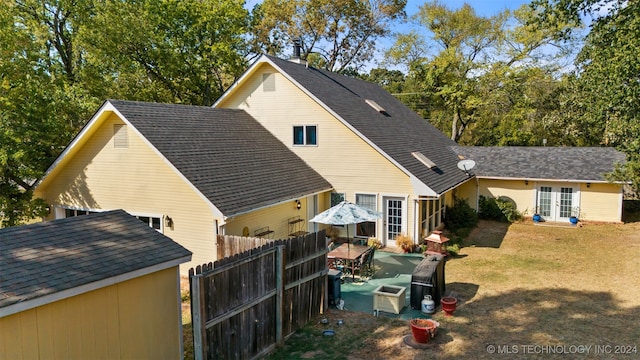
(500, 209)
(460, 217)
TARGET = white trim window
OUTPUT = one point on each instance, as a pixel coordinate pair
(154, 222)
(305, 135)
(76, 212)
(368, 228)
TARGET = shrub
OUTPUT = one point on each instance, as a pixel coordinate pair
(489, 210)
(500, 209)
(460, 217)
(508, 209)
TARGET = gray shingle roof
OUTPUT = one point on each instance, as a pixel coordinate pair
(561, 163)
(225, 153)
(52, 256)
(398, 133)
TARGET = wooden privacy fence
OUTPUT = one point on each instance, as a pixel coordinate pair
(229, 245)
(243, 306)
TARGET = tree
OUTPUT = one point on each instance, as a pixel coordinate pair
(605, 87)
(334, 34)
(474, 61)
(59, 59)
(168, 50)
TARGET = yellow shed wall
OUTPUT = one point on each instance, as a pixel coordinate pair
(135, 319)
(342, 157)
(138, 180)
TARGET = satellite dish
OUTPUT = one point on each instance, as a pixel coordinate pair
(466, 165)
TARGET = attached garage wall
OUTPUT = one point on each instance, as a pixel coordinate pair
(136, 319)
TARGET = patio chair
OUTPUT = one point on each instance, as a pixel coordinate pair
(362, 264)
(371, 269)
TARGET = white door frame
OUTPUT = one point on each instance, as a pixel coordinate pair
(560, 204)
(398, 218)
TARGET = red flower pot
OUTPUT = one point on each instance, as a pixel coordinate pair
(448, 305)
(423, 329)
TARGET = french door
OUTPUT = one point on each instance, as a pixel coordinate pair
(557, 203)
(394, 218)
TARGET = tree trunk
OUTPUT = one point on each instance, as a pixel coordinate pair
(454, 125)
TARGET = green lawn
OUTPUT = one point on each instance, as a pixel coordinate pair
(523, 290)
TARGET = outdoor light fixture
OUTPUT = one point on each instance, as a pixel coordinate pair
(588, 185)
(526, 182)
(298, 204)
(168, 222)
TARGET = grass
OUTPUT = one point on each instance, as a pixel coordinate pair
(522, 290)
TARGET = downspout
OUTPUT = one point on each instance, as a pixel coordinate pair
(477, 195)
(415, 220)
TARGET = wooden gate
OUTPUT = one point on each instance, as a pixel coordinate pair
(243, 306)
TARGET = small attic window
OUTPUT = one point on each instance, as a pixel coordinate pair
(423, 159)
(376, 106)
(268, 82)
(120, 136)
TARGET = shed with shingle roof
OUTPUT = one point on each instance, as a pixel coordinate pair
(103, 284)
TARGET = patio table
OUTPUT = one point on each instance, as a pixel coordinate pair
(349, 253)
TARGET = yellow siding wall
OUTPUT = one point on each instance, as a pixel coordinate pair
(136, 179)
(522, 195)
(469, 192)
(344, 159)
(136, 319)
(601, 202)
(275, 217)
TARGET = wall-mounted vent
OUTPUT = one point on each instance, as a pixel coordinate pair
(376, 106)
(423, 159)
(120, 136)
(268, 82)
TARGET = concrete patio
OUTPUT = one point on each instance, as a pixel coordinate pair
(391, 269)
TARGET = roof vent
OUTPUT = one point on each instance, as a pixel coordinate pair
(375, 106)
(423, 159)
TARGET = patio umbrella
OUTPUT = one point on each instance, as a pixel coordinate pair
(346, 213)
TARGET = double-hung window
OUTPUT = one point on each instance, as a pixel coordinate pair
(367, 228)
(305, 135)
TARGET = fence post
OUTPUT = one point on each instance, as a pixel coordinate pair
(279, 293)
(196, 317)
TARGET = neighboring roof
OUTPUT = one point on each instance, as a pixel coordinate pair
(544, 163)
(397, 131)
(226, 154)
(51, 257)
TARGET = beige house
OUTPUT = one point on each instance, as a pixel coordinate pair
(190, 172)
(373, 149)
(103, 286)
(554, 182)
